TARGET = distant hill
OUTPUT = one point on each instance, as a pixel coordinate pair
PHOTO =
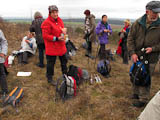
(73, 20)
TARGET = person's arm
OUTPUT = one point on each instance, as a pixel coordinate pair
(131, 39)
(99, 29)
(93, 24)
(131, 42)
(110, 29)
(32, 27)
(4, 45)
(156, 48)
(34, 45)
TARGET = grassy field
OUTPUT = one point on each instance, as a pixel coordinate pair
(106, 101)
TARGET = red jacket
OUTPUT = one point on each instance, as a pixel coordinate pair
(50, 29)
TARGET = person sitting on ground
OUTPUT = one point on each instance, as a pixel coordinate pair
(28, 48)
(123, 38)
(103, 30)
(3, 53)
(36, 27)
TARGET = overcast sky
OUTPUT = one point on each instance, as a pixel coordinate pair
(74, 8)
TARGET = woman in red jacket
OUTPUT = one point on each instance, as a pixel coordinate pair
(53, 32)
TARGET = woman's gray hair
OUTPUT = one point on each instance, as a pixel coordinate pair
(37, 15)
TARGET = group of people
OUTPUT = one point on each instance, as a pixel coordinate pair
(143, 33)
(49, 36)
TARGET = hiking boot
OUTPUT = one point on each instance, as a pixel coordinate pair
(51, 81)
(139, 104)
(88, 54)
(135, 96)
(40, 65)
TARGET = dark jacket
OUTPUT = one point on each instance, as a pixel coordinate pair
(142, 37)
(36, 27)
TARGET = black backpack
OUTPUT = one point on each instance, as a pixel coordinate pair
(104, 68)
(71, 49)
(139, 71)
(75, 72)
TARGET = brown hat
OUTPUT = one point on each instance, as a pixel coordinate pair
(52, 8)
(87, 12)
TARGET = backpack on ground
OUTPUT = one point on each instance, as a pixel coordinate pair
(139, 72)
(76, 73)
(104, 68)
(66, 87)
(14, 97)
(71, 49)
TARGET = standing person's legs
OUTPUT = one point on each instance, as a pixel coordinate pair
(50, 67)
(3, 81)
(144, 91)
(102, 51)
(125, 56)
(41, 48)
(63, 60)
(89, 46)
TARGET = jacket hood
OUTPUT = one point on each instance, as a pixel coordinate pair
(92, 16)
(142, 21)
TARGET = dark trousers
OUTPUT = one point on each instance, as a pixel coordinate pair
(41, 49)
(51, 62)
(89, 46)
(3, 81)
(125, 55)
(23, 57)
(101, 52)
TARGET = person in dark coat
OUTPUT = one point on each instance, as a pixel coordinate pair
(36, 27)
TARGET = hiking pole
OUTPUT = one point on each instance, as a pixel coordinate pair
(96, 55)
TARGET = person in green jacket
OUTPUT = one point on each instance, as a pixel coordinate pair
(145, 33)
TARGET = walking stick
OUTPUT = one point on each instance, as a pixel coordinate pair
(96, 55)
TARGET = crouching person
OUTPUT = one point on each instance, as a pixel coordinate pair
(28, 48)
(53, 34)
(3, 53)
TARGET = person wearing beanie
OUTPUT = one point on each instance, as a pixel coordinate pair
(36, 27)
(145, 34)
(53, 32)
(103, 30)
(90, 34)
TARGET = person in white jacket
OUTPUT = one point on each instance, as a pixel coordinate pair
(28, 48)
(3, 53)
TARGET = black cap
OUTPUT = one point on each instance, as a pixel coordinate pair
(154, 6)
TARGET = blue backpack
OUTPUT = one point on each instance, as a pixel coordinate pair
(139, 74)
(104, 68)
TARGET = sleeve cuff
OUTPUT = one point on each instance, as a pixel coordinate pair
(55, 39)
(132, 52)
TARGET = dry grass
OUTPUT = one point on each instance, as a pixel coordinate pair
(107, 101)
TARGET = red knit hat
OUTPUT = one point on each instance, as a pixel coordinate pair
(87, 12)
